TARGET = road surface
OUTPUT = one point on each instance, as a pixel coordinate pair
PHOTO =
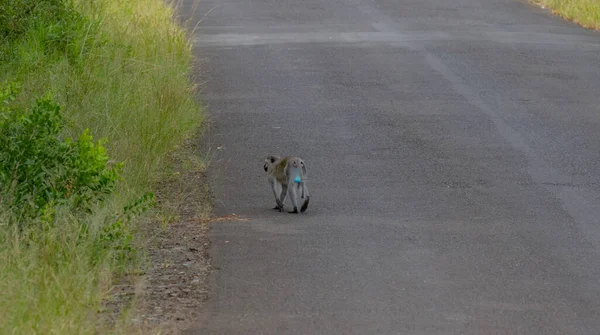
(453, 149)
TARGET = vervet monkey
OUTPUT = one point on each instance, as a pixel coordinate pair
(287, 174)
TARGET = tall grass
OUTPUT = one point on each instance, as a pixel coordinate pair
(583, 12)
(121, 69)
(48, 283)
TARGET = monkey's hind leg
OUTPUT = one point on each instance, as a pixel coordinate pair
(279, 203)
(306, 198)
(294, 199)
(284, 191)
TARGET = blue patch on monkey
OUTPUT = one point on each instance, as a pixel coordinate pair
(297, 179)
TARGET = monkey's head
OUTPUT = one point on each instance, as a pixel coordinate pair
(270, 160)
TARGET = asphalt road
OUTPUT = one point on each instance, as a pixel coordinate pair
(453, 149)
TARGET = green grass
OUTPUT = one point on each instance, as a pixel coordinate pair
(583, 12)
(121, 69)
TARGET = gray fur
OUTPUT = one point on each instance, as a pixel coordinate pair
(282, 172)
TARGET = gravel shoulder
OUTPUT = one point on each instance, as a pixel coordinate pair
(167, 296)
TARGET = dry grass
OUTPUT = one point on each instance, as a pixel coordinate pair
(583, 12)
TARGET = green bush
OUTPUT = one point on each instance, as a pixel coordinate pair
(117, 235)
(39, 170)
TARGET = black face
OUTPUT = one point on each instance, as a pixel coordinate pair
(266, 167)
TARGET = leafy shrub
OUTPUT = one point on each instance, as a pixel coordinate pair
(117, 235)
(38, 169)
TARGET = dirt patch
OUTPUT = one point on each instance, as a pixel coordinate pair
(175, 286)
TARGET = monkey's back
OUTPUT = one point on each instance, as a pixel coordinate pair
(277, 170)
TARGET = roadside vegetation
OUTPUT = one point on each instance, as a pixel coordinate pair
(583, 12)
(94, 94)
